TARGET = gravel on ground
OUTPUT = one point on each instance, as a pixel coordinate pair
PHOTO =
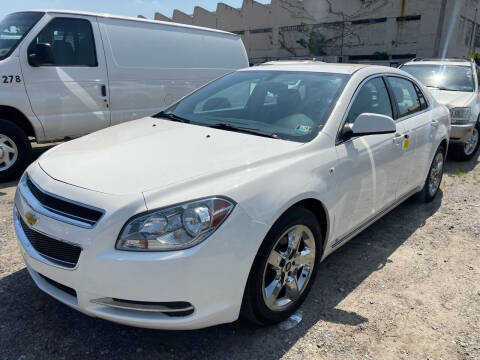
(408, 287)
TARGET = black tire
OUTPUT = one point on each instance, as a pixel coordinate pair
(426, 195)
(24, 150)
(254, 307)
(458, 149)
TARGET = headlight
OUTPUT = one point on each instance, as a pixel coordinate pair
(176, 227)
(461, 115)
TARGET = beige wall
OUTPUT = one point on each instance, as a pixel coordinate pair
(273, 31)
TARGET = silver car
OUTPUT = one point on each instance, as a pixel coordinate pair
(454, 83)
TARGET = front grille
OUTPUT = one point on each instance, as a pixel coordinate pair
(56, 251)
(65, 208)
(59, 286)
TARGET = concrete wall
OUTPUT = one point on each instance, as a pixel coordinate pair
(353, 30)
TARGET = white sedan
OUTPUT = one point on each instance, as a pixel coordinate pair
(226, 203)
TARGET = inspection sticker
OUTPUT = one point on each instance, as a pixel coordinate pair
(304, 129)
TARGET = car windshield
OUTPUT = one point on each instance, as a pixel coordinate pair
(289, 105)
(443, 77)
(13, 29)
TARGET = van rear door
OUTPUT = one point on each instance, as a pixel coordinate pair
(68, 88)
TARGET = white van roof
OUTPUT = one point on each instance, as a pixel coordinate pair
(129, 18)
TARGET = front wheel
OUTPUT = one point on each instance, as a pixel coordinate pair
(434, 178)
(15, 150)
(466, 151)
(284, 268)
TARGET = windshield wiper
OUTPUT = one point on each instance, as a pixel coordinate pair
(171, 116)
(230, 127)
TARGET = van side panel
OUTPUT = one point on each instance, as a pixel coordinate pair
(13, 93)
(152, 65)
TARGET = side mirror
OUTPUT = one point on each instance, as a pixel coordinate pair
(369, 124)
(40, 54)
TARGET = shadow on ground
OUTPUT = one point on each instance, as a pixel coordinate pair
(37, 326)
(453, 167)
(37, 151)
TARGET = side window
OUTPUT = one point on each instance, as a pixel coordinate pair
(421, 98)
(406, 96)
(372, 98)
(70, 41)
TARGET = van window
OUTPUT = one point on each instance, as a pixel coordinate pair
(71, 41)
(405, 95)
(372, 98)
(14, 28)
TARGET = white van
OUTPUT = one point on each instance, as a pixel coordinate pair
(64, 74)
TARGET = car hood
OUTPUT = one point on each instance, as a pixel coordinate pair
(152, 153)
(452, 98)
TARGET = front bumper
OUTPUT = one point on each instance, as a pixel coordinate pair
(211, 276)
(461, 133)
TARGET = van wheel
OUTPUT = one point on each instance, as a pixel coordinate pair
(466, 151)
(15, 150)
(284, 268)
(434, 178)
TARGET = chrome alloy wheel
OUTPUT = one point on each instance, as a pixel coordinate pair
(472, 142)
(436, 173)
(289, 268)
(8, 152)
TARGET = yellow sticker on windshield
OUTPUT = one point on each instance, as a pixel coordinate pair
(406, 144)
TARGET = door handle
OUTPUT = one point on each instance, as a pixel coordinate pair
(398, 138)
(103, 89)
(435, 123)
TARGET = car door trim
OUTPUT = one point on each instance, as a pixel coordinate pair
(373, 219)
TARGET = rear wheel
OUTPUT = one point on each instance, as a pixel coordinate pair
(466, 151)
(284, 268)
(434, 178)
(15, 150)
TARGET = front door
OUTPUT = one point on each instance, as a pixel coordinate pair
(68, 94)
(368, 167)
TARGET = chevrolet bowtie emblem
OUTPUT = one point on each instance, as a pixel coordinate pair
(31, 219)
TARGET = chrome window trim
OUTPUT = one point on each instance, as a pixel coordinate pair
(36, 205)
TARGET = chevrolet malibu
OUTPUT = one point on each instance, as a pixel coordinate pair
(226, 203)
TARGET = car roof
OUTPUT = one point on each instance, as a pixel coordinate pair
(129, 18)
(455, 62)
(316, 66)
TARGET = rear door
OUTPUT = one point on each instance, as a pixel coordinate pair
(368, 166)
(68, 96)
(420, 128)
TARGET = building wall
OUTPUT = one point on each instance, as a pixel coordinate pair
(346, 30)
